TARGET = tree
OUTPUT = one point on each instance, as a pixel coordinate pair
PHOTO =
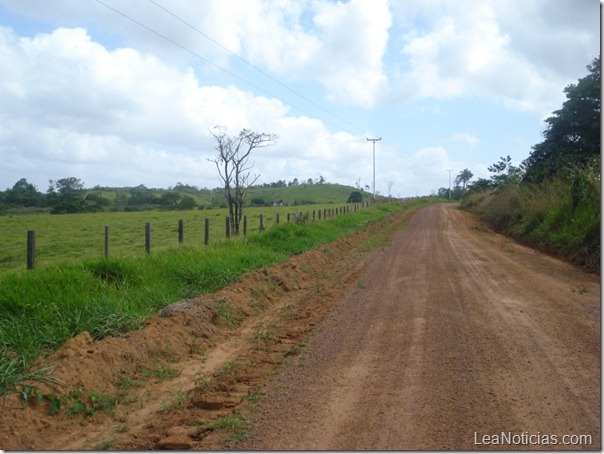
(24, 194)
(170, 200)
(443, 193)
(66, 195)
(480, 185)
(187, 203)
(572, 136)
(234, 169)
(355, 197)
(505, 172)
(70, 185)
(462, 178)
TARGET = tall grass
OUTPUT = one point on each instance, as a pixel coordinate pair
(41, 309)
(561, 215)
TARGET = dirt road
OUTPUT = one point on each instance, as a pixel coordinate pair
(447, 336)
(454, 338)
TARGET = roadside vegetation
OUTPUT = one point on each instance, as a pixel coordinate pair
(41, 309)
(552, 199)
(560, 215)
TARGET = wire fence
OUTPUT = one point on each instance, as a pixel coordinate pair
(42, 247)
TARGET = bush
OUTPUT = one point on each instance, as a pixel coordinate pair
(561, 214)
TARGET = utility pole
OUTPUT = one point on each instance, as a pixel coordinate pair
(450, 182)
(374, 141)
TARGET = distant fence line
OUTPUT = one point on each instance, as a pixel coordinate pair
(296, 217)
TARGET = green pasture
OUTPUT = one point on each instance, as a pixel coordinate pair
(75, 237)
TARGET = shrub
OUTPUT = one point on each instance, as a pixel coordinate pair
(561, 214)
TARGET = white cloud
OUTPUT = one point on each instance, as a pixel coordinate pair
(337, 45)
(466, 138)
(517, 53)
(97, 93)
(126, 116)
(354, 37)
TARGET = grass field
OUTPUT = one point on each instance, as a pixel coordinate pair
(74, 237)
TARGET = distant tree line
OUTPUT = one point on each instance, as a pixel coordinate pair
(69, 195)
(294, 182)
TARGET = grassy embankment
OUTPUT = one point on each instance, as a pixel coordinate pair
(561, 216)
(41, 309)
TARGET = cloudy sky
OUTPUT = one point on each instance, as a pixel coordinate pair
(122, 93)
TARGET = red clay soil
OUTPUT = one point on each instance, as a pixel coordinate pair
(447, 336)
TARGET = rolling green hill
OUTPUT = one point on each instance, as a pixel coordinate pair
(72, 197)
(304, 194)
(300, 194)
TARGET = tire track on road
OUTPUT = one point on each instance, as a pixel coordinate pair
(452, 331)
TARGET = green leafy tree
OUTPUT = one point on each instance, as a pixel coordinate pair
(24, 194)
(505, 173)
(355, 197)
(169, 200)
(480, 185)
(443, 193)
(187, 203)
(67, 195)
(141, 195)
(572, 136)
(462, 178)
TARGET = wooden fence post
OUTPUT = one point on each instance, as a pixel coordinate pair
(31, 249)
(107, 233)
(181, 231)
(206, 235)
(262, 223)
(277, 218)
(244, 224)
(148, 237)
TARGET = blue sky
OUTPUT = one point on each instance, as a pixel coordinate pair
(447, 85)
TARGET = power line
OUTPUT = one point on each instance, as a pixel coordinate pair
(186, 49)
(254, 66)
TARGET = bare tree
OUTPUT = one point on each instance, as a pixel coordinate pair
(234, 168)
